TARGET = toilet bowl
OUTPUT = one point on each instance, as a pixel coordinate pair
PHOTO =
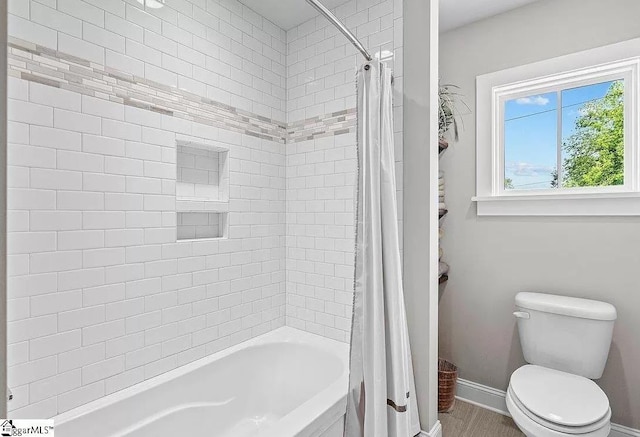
(549, 403)
(566, 342)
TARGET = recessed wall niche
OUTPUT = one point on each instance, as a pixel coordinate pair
(202, 190)
(195, 225)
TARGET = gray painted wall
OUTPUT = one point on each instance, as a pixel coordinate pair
(420, 169)
(494, 258)
(3, 208)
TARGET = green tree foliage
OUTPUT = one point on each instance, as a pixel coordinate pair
(595, 152)
(508, 184)
(554, 178)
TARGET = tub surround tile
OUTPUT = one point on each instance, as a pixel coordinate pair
(105, 89)
(108, 297)
(116, 297)
(322, 160)
(57, 73)
(336, 123)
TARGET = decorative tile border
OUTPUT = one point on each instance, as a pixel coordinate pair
(36, 63)
(336, 123)
(50, 67)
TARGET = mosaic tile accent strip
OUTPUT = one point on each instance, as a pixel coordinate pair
(336, 123)
(36, 63)
(50, 67)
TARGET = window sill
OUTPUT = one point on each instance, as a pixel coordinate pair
(609, 204)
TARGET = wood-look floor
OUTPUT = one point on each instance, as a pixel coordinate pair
(468, 420)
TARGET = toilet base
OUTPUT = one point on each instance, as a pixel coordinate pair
(533, 429)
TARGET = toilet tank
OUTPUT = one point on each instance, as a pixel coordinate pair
(565, 333)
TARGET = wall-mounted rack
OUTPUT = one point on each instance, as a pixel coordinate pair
(443, 277)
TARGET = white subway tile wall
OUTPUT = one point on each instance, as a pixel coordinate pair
(198, 173)
(321, 172)
(196, 225)
(102, 295)
(217, 49)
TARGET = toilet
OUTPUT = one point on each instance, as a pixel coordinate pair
(566, 342)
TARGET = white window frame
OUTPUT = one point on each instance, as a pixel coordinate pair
(617, 61)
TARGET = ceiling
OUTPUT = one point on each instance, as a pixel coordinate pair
(457, 13)
(288, 13)
(453, 13)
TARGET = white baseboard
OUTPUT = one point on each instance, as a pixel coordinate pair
(623, 431)
(486, 397)
(436, 431)
(495, 400)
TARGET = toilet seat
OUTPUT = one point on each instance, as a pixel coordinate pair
(557, 403)
(531, 428)
(570, 430)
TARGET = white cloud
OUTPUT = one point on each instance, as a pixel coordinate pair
(528, 169)
(534, 100)
(583, 111)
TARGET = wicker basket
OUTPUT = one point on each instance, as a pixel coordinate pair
(447, 378)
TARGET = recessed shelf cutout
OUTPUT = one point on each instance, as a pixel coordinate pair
(196, 225)
(202, 190)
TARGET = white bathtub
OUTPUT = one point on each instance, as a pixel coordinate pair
(284, 383)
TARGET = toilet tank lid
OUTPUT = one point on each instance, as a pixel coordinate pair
(567, 306)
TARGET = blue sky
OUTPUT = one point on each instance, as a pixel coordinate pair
(531, 132)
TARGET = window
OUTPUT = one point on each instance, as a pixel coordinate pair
(559, 137)
(568, 138)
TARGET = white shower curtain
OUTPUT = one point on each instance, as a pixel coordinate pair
(382, 399)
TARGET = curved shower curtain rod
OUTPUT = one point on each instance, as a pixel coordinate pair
(341, 27)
